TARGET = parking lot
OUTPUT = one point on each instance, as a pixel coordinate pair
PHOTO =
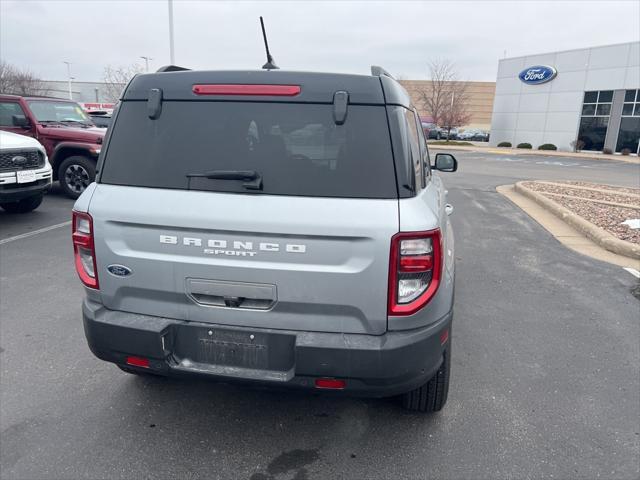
(544, 384)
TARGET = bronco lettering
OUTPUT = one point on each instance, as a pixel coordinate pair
(238, 248)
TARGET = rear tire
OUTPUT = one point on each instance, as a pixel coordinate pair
(431, 396)
(25, 205)
(75, 174)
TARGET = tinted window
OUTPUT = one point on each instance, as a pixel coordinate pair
(424, 152)
(7, 111)
(605, 96)
(629, 134)
(590, 97)
(414, 145)
(296, 148)
(593, 131)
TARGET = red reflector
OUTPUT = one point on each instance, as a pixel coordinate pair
(138, 362)
(268, 90)
(81, 239)
(331, 383)
(444, 336)
(416, 263)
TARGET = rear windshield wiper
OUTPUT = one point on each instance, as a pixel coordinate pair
(252, 179)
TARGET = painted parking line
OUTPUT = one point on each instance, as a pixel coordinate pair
(35, 232)
(633, 271)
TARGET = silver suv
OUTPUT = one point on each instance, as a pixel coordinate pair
(275, 227)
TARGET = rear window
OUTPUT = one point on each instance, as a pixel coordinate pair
(296, 148)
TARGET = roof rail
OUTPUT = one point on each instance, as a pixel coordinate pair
(377, 71)
(171, 68)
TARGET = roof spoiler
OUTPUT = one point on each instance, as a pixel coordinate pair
(171, 68)
(377, 71)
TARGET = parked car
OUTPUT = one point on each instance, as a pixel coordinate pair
(261, 255)
(474, 135)
(25, 173)
(100, 118)
(427, 128)
(70, 138)
(439, 133)
(436, 133)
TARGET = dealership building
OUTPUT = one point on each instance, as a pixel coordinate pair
(590, 95)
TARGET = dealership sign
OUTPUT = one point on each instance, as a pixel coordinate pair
(538, 74)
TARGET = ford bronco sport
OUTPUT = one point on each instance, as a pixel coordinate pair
(69, 136)
(275, 227)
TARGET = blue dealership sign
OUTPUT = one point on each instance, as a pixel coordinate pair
(537, 74)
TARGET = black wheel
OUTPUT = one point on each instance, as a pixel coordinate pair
(75, 174)
(431, 396)
(23, 206)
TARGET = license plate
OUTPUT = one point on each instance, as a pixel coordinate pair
(233, 349)
(26, 176)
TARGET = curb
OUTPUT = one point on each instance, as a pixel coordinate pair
(542, 153)
(597, 234)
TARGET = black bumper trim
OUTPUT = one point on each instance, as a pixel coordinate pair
(376, 366)
(17, 193)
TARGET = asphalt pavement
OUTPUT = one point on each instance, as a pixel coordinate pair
(545, 368)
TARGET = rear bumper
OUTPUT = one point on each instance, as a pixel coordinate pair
(375, 366)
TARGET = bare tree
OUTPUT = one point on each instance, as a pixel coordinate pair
(116, 78)
(16, 81)
(445, 96)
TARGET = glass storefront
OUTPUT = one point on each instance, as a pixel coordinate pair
(629, 134)
(596, 108)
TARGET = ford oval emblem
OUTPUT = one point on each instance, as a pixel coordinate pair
(119, 270)
(19, 160)
(537, 74)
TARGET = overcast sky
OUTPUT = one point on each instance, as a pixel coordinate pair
(319, 36)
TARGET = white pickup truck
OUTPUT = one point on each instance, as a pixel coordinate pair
(25, 173)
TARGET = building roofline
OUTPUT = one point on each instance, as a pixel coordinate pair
(570, 50)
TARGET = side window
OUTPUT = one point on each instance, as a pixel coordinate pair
(7, 111)
(424, 152)
(416, 157)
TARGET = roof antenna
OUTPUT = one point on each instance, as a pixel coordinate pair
(271, 64)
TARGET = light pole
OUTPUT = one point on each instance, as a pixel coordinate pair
(69, 79)
(172, 56)
(146, 61)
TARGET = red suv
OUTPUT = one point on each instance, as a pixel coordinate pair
(69, 136)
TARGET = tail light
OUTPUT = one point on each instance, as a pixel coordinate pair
(414, 272)
(84, 250)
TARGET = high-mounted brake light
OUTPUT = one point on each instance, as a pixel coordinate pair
(83, 249)
(414, 270)
(236, 89)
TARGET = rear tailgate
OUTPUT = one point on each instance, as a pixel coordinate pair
(298, 263)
